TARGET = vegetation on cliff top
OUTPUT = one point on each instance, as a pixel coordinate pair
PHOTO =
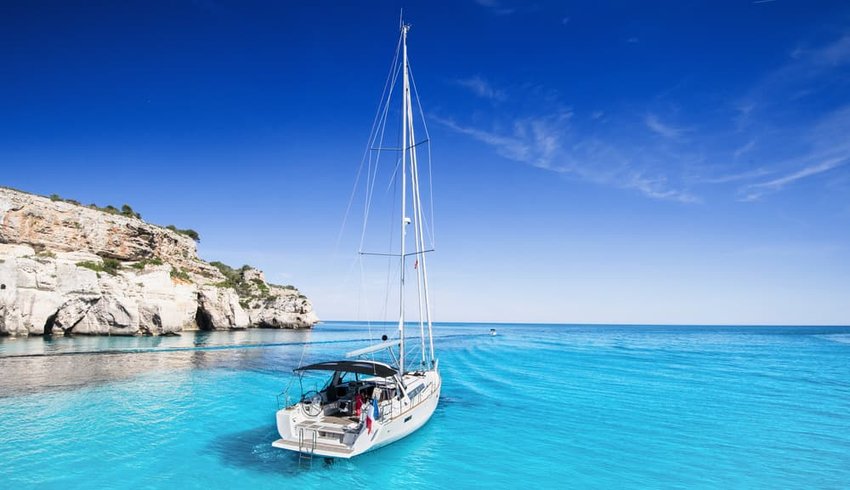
(233, 278)
(180, 274)
(126, 210)
(110, 266)
(188, 232)
(140, 265)
(253, 293)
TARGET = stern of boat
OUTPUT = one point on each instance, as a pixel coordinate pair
(331, 437)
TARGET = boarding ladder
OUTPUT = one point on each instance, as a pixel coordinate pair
(306, 448)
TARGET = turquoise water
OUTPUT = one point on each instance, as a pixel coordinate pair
(547, 406)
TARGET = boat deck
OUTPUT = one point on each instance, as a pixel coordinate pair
(334, 425)
(322, 449)
(343, 421)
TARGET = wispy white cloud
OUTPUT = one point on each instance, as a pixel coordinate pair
(546, 143)
(801, 76)
(658, 188)
(789, 144)
(533, 141)
(754, 192)
(665, 130)
(832, 54)
(744, 149)
(482, 88)
(496, 6)
(735, 177)
(828, 148)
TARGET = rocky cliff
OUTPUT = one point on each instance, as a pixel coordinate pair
(72, 269)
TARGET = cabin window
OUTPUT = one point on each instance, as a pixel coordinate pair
(416, 391)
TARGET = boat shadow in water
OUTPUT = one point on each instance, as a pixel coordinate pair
(252, 449)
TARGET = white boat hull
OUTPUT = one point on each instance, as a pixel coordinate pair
(325, 436)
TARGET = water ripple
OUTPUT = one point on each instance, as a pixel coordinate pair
(548, 406)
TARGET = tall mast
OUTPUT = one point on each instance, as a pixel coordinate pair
(418, 220)
(404, 219)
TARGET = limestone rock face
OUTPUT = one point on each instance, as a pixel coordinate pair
(52, 294)
(64, 227)
(281, 308)
(273, 306)
(219, 309)
(70, 269)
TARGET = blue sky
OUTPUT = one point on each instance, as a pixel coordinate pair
(682, 162)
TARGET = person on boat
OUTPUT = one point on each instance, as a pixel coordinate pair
(358, 402)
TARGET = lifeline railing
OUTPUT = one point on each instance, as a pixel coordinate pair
(396, 410)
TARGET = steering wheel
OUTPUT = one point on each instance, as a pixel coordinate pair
(311, 403)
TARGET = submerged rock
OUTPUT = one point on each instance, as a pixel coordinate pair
(71, 269)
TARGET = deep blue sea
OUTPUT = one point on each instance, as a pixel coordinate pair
(539, 406)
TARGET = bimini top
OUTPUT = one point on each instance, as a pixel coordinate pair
(359, 367)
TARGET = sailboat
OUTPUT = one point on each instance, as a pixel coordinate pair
(364, 403)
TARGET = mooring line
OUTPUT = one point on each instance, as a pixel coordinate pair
(152, 350)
